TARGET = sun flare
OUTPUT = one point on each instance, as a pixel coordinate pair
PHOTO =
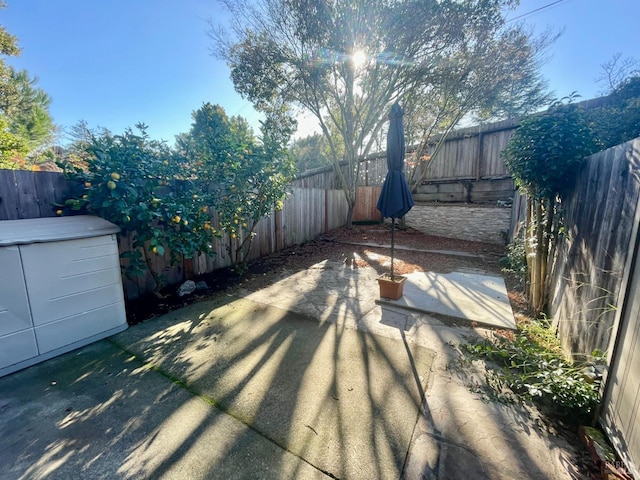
(358, 59)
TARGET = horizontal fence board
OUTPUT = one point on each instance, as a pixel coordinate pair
(470, 191)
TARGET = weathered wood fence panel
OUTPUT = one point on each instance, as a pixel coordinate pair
(469, 161)
(621, 405)
(25, 195)
(492, 145)
(336, 208)
(366, 209)
(590, 263)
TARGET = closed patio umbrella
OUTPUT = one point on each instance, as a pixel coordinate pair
(395, 198)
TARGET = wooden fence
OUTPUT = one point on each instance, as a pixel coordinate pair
(468, 168)
(307, 213)
(595, 300)
(25, 194)
(590, 264)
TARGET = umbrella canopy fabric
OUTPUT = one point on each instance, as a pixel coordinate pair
(395, 198)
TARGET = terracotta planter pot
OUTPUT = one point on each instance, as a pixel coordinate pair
(391, 288)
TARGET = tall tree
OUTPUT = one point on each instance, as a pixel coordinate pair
(248, 176)
(29, 115)
(8, 47)
(23, 107)
(310, 152)
(617, 71)
(347, 61)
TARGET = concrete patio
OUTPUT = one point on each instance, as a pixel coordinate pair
(307, 378)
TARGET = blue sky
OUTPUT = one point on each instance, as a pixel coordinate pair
(114, 63)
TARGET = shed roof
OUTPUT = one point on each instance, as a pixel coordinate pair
(53, 229)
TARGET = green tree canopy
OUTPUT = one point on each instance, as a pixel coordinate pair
(311, 152)
(29, 115)
(546, 151)
(619, 120)
(346, 62)
(8, 47)
(23, 106)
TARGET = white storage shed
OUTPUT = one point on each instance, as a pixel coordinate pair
(60, 287)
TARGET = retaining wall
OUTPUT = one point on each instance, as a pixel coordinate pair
(465, 222)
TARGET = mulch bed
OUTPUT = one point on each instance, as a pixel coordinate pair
(340, 245)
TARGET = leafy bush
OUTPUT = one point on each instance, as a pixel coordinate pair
(516, 261)
(250, 175)
(539, 374)
(220, 179)
(147, 190)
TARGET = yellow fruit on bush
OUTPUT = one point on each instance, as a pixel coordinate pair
(207, 226)
(185, 223)
(166, 162)
(154, 249)
(233, 235)
(204, 209)
(155, 201)
(115, 176)
(176, 219)
(244, 224)
(195, 197)
(111, 185)
(58, 212)
(87, 184)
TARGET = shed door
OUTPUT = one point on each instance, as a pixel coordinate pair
(75, 290)
(621, 406)
(17, 340)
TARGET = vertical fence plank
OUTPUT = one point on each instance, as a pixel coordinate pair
(590, 263)
(8, 196)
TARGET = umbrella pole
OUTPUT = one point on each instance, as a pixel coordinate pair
(393, 223)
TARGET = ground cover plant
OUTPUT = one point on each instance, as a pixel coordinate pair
(531, 365)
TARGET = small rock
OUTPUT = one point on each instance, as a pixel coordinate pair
(202, 285)
(186, 288)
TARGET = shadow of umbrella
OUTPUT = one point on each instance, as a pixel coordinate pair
(395, 198)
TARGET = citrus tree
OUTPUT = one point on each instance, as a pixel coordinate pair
(149, 191)
(248, 176)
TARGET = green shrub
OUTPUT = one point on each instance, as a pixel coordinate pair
(516, 261)
(142, 186)
(542, 375)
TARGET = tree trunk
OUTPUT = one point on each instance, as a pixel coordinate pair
(350, 195)
(552, 229)
(529, 253)
(536, 298)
